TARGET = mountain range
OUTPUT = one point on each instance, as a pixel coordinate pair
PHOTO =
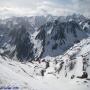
(39, 51)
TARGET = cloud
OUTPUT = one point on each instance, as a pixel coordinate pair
(84, 7)
(39, 7)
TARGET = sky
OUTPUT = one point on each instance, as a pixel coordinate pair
(44, 7)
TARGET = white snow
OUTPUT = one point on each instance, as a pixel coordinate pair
(27, 76)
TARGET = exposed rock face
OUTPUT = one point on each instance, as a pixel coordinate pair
(19, 44)
(58, 36)
(24, 47)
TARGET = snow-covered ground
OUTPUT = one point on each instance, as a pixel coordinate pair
(27, 76)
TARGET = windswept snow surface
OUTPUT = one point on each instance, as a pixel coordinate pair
(27, 76)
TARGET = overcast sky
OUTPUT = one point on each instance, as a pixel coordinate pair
(39, 7)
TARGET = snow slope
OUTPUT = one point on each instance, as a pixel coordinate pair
(27, 76)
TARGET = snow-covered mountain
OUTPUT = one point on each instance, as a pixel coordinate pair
(71, 71)
(16, 30)
(57, 36)
(45, 53)
(47, 35)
